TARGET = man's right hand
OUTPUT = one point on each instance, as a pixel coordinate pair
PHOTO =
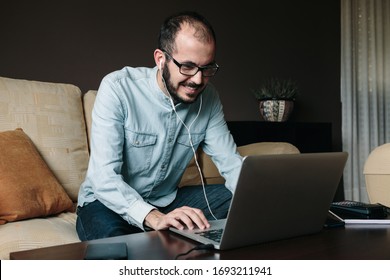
(179, 218)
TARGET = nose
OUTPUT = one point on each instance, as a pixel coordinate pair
(197, 78)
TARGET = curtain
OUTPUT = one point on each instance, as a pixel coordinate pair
(365, 86)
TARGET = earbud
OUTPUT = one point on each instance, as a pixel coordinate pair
(160, 65)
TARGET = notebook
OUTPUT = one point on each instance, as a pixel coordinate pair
(277, 197)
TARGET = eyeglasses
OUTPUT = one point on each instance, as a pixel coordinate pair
(191, 69)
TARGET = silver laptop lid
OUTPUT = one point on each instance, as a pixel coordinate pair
(282, 196)
(278, 197)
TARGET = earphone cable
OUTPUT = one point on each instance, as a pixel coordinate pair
(191, 144)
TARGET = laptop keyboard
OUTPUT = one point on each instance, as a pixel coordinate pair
(214, 234)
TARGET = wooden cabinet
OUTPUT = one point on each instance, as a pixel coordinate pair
(306, 136)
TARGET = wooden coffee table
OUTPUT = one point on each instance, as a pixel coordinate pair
(352, 242)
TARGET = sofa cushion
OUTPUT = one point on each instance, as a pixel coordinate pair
(210, 172)
(51, 114)
(28, 188)
(37, 233)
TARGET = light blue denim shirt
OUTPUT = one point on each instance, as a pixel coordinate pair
(140, 149)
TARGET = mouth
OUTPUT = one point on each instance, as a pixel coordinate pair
(189, 92)
(191, 89)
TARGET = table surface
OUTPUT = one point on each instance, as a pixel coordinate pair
(352, 242)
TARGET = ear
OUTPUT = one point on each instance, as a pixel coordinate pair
(159, 58)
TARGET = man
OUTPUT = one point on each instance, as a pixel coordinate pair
(147, 124)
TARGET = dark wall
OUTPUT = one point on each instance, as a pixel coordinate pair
(79, 42)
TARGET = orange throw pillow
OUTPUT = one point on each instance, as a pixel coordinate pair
(28, 188)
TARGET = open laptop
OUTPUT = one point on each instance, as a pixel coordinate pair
(277, 197)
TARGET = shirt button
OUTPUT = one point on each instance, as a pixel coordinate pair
(163, 166)
(169, 140)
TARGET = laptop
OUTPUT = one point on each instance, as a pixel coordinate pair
(277, 197)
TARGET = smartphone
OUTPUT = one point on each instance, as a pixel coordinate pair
(106, 251)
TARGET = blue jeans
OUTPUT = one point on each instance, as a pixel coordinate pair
(96, 221)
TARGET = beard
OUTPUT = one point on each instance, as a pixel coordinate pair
(172, 91)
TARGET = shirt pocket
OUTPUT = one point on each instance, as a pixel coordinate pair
(139, 150)
(183, 152)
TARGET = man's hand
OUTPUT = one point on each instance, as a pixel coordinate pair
(179, 218)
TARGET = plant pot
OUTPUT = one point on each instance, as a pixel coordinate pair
(276, 110)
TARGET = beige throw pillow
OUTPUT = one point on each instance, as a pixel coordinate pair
(28, 188)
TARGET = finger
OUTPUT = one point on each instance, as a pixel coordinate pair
(184, 217)
(197, 217)
(173, 222)
(202, 217)
(178, 219)
(200, 220)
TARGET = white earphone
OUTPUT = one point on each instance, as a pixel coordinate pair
(188, 128)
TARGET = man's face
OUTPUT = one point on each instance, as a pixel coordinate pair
(189, 50)
(184, 91)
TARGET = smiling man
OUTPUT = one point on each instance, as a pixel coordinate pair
(146, 126)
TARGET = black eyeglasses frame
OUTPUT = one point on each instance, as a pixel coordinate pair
(214, 67)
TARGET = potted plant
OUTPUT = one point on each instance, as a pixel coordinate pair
(276, 98)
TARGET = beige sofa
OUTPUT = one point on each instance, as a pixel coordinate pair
(43, 165)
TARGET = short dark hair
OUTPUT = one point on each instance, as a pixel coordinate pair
(172, 25)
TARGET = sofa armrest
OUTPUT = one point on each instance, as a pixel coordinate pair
(210, 172)
(88, 102)
(377, 175)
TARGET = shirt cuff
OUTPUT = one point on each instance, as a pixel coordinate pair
(137, 213)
